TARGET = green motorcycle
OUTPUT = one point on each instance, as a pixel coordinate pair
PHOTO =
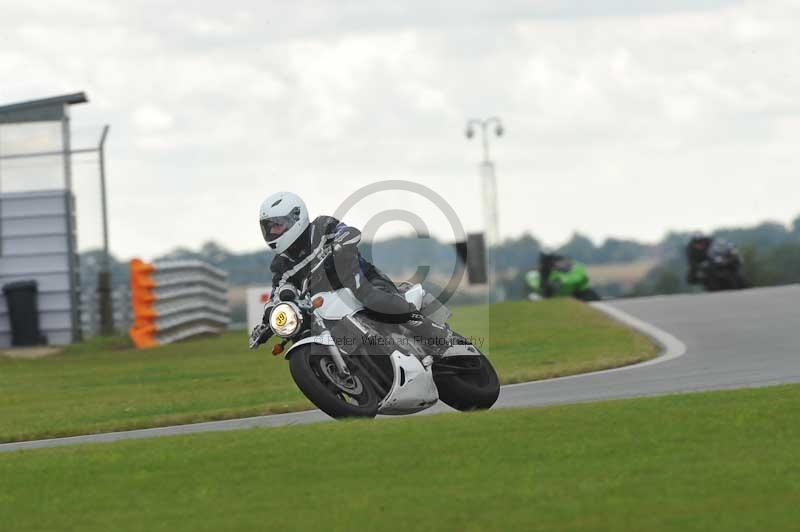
(559, 276)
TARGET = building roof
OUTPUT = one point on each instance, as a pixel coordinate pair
(43, 109)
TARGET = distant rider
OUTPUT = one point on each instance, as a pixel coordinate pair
(714, 263)
(561, 276)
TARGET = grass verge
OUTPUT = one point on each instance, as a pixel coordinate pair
(708, 461)
(103, 385)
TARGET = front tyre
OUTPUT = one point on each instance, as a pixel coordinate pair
(467, 382)
(314, 372)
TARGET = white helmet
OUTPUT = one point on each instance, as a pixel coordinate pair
(283, 218)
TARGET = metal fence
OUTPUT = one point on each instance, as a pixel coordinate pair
(90, 310)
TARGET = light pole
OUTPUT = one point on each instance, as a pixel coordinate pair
(104, 276)
(489, 187)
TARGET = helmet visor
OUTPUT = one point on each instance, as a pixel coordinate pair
(273, 228)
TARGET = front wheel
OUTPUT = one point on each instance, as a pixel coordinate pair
(467, 382)
(315, 373)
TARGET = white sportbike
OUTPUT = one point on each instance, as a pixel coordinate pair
(350, 365)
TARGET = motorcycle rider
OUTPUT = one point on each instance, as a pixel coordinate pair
(296, 240)
(572, 277)
(714, 263)
(547, 263)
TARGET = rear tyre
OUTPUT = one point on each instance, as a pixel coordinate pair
(314, 372)
(587, 295)
(467, 382)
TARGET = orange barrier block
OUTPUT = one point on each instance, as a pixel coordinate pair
(143, 336)
(143, 331)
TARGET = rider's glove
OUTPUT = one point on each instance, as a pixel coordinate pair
(261, 333)
(346, 236)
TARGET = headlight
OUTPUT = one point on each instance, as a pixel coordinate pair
(285, 319)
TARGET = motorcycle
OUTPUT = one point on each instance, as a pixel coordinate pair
(559, 276)
(715, 264)
(351, 365)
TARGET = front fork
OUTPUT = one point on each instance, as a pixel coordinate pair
(336, 355)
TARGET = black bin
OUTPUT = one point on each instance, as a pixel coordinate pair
(23, 313)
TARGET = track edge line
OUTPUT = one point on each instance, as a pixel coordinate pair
(671, 347)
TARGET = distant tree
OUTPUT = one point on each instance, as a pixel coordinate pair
(752, 268)
(767, 234)
(770, 251)
(669, 277)
(674, 244)
(667, 282)
(518, 254)
(615, 250)
(785, 263)
(580, 248)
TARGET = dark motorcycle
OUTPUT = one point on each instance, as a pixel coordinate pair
(714, 264)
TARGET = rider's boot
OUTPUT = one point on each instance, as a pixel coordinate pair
(436, 338)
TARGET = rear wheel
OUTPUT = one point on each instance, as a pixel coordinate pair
(587, 295)
(467, 382)
(315, 373)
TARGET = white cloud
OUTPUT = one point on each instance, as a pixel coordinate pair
(150, 118)
(621, 121)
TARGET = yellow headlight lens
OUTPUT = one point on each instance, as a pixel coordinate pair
(285, 320)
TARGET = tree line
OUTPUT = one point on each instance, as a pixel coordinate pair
(771, 254)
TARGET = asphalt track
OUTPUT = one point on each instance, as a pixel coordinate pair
(710, 341)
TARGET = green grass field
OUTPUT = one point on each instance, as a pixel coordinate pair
(699, 462)
(104, 385)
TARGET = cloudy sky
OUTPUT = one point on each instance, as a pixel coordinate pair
(620, 121)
